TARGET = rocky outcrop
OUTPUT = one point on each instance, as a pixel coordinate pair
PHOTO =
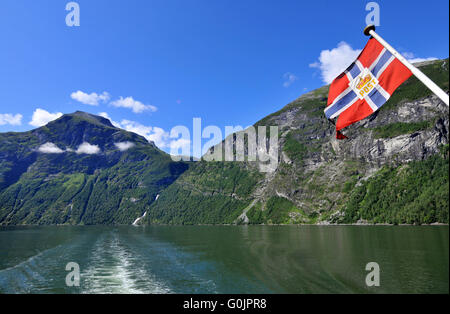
(316, 174)
(399, 133)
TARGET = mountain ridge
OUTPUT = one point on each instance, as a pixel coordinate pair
(317, 173)
(104, 185)
(319, 180)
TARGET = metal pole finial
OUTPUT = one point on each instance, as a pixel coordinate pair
(369, 28)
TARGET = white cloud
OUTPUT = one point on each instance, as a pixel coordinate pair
(155, 134)
(136, 127)
(413, 59)
(132, 104)
(42, 117)
(7, 118)
(106, 116)
(159, 137)
(416, 60)
(180, 143)
(333, 62)
(92, 99)
(84, 148)
(50, 148)
(289, 78)
(408, 55)
(87, 148)
(123, 146)
(152, 134)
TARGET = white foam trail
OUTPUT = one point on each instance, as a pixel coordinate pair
(113, 269)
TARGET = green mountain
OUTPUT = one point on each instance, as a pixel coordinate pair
(72, 186)
(80, 169)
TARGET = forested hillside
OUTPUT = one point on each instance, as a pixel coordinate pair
(80, 169)
(392, 169)
(46, 179)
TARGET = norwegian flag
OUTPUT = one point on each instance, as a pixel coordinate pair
(365, 86)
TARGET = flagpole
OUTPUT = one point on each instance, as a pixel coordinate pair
(370, 30)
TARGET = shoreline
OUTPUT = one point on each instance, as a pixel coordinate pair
(438, 224)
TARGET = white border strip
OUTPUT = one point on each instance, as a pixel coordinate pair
(383, 92)
(344, 108)
(344, 93)
(377, 59)
(388, 62)
(371, 103)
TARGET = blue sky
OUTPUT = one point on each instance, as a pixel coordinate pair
(155, 64)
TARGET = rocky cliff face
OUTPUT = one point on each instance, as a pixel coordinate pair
(317, 174)
(417, 145)
(404, 130)
(312, 181)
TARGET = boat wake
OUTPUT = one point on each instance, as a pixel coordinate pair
(115, 268)
(112, 261)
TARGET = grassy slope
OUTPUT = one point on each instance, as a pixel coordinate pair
(208, 193)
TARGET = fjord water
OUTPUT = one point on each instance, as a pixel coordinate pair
(224, 259)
